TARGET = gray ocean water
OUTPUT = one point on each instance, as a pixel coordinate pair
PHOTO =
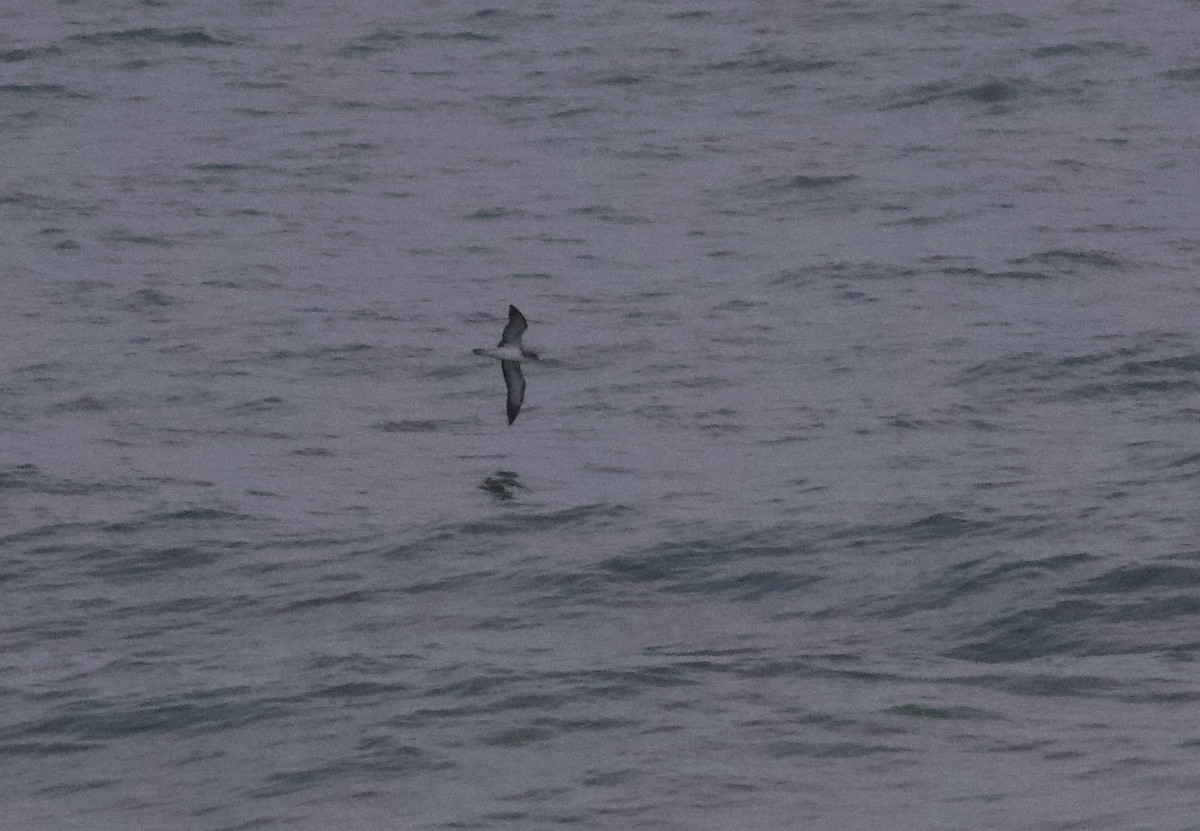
(857, 488)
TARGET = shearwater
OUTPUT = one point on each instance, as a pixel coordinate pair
(510, 353)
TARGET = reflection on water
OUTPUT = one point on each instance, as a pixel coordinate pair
(501, 484)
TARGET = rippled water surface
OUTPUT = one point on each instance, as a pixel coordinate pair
(856, 488)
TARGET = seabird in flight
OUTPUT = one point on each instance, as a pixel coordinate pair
(510, 354)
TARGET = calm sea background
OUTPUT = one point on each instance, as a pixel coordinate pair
(857, 488)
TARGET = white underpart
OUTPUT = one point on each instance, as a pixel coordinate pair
(504, 353)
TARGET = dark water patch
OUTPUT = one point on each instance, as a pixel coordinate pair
(1043, 685)
(362, 664)
(374, 759)
(702, 566)
(341, 599)
(518, 100)
(1183, 697)
(568, 588)
(991, 92)
(505, 623)
(1061, 628)
(572, 112)
(1057, 50)
(842, 271)
(748, 587)
(1067, 261)
(1087, 48)
(689, 651)
(18, 55)
(598, 515)
(1156, 366)
(382, 40)
(994, 92)
(657, 567)
(609, 778)
(37, 749)
(130, 238)
(1141, 611)
(32, 479)
(942, 526)
(389, 40)
(541, 702)
(43, 532)
(148, 299)
(456, 583)
(1190, 460)
(83, 404)
(313, 452)
(815, 668)
(927, 221)
(805, 182)
(491, 213)
(546, 729)
(412, 426)
(126, 563)
(496, 692)
(939, 713)
(1114, 369)
(979, 577)
(831, 750)
(69, 788)
(1112, 391)
(259, 405)
(907, 422)
(1189, 74)
(1136, 580)
(101, 721)
(360, 690)
(621, 684)
(227, 167)
(740, 305)
(33, 202)
(474, 686)
(1108, 374)
(176, 520)
(1010, 274)
(197, 515)
(933, 528)
(39, 91)
(182, 606)
(1022, 366)
(760, 61)
(252, 112)
(462, 36)
(620, 80)
(168, 37)
(607, 213)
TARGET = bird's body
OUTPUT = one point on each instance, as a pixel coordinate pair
(503, 353)
(510, 353)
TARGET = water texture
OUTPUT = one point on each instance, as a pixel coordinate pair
(856, 488)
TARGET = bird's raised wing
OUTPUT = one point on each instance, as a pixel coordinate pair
(514, 329)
